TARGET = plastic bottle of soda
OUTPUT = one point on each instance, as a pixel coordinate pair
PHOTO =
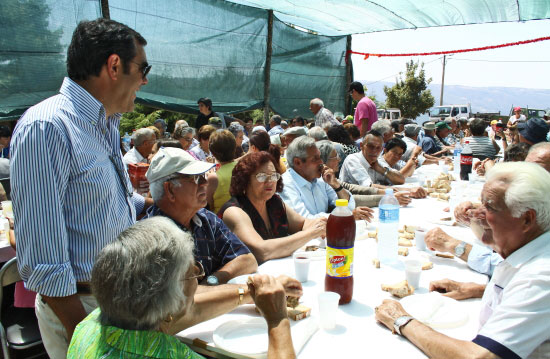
(456, 157)
(466, 158)
(340, 242)
(388, 228)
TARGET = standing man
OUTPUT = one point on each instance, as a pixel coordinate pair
(71, 193)
(365, 111)
(322, 115)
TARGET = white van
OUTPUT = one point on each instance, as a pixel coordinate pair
(449, 111)
(388, 113)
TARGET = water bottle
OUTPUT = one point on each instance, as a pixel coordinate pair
(126, 139)
(456, 157)
(388, 228)
(466, 158)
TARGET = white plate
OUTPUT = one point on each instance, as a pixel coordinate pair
(244, 336)
(436, 310)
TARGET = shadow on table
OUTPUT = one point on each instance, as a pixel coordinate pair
(309, 283)
(357, 309)
(337, 330)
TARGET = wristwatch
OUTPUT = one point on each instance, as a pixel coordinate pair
(401, 322)
(460, 249)
(212, 280)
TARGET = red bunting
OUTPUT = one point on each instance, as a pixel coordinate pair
(451, 51)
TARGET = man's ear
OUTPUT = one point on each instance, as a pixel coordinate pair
(529, 220)
(114, 66)
(168, 191)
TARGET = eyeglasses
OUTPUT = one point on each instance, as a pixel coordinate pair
(200, 275)
(187, 139)
(196, 178)
(334, 158)
(262, 177)
(144, 68)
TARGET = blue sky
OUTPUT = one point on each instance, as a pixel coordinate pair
(526, 66)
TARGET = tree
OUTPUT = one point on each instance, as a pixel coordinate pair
(411, 95)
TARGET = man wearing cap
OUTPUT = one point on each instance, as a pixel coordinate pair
(323, 117)
(365, 111)
(291, 134)
(516, 117)
(533, 131)
(275, 125)
(442, 131)
(428, 142)
(178, 186)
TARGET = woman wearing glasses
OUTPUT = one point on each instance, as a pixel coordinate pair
(185, 134)
(145, 284)
(259, 217)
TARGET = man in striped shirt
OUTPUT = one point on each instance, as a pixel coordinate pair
(71, 193)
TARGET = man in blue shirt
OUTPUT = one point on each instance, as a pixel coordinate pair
(428, 142)
(71, 193)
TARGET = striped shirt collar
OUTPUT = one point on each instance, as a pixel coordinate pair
(85, 104)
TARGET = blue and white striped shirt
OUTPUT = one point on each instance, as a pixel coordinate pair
(69, 189)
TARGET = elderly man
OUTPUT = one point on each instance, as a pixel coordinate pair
(385, 129)
(144, 139)
(178, 187)
(365, 112)
(275, 125)
(540, 153)
(305, 191)
(428, 142)
(515, 312)
(323, 117)
(72, 140)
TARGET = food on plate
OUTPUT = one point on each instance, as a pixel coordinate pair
(403, 242)
(403, 251)
(373, 234)
(376, 263)
(427, 265)
(410, 229)
(444, 255)
(299, 312)
(401, 230)
(312, 248)
(406, 235)
(400, 290)
(444, 196)
(434, 195)
(292, 302)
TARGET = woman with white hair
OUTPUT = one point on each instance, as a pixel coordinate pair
(145, 284)
(185, 135)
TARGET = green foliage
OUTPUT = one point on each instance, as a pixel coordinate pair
(144, 116)
(410, 95)
(372, 96)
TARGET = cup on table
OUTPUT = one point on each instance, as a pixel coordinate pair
(328, 305)
(301, 267)
(472, 177)
(7, 209)
(419, 235)
(413, 269)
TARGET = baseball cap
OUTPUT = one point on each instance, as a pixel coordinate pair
(517, 108)
(442, 124)
(534, 130)
(170, 160)
(259, 128)
(494, 122)
(412, 130)
(428, 126)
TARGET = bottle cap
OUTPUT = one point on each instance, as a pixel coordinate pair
(341, 203)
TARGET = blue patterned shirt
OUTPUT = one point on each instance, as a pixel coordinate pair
(70, 191)
(215, 244)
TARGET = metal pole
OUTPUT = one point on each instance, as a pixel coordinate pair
(349, 77)
(442, 82)
(267, 70)
(105, 9)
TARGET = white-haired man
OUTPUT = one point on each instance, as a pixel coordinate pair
(144, 140)
(515, 220)
(323, 117)
(178, 187)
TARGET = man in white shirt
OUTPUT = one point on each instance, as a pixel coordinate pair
(516, 117)
(515, 313)
(143, 139)
(323, 117)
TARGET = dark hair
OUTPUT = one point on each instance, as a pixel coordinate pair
(300, 119)
(338, 133)
(357, 86)
(396, 142)
(262, 141)
(5, 131)
(353, 131)
(247, 165)
(395, 125)
(516, 152)
(222, 145)
(205, 132)
(277, 119)
(477, 127)
(169, 143)
(94, 41)
(375, 134)
(206, 102)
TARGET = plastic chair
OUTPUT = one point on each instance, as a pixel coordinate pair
(18, 328)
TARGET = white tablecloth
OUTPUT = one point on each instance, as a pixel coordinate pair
(357, 334)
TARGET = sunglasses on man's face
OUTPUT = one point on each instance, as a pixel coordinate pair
(144, 68)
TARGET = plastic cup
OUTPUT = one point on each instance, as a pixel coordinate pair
(419, 235)
(301, 267)
(328, 305)
(7, 210)
(413, 269)
(472, 177)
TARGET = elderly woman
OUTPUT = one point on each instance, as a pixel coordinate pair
(202, 151)
(363, 196)
(222, 146)
(272, 233)
(317, 133)
(238, 131)
(185, 135)
(145, 284)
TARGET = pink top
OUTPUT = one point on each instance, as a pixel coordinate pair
(365, 109)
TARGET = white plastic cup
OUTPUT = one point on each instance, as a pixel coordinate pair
(328, 306)
(413, 269)
(301, 267)
(419, 236)
(472, 177)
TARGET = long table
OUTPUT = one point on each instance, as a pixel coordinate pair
(357, 333)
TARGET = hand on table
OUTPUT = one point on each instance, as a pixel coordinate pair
(316, 227)
(364, 213)
(292, 287)
(418, 192)
(403, 198)
(387, 312)
(269, 296)
(437, 240)
(457, 290)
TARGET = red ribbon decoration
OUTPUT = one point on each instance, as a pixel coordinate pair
(451, 51)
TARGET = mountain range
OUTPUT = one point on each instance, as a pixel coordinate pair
(482, 99)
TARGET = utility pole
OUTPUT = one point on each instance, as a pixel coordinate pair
(442, 82)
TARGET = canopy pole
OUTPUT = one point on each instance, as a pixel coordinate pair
(267, 70)
(105, 9)
(349, 77)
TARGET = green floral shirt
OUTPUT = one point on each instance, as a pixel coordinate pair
(92, 340)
